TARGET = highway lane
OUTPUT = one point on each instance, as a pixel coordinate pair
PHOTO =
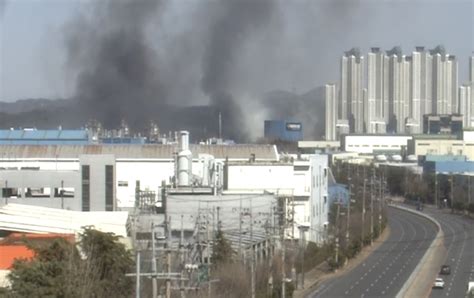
(385, 271)
(459, 243)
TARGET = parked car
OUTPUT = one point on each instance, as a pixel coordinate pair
(445, 270)
(439, 283)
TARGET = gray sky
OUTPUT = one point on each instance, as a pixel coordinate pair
(300, 49)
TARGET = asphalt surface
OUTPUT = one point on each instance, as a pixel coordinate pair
(385, 271)
(459, 243)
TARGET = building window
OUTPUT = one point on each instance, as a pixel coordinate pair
(86, 196)
(109, 188)
(325, 199)
(123, 183)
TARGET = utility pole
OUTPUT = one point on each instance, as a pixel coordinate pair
(452, 192)
(137, 283)
(240, 229)
(182, 256)
(436, 190)
(282, 237)
(337, 232)
(62, 194)
(349, 180)
(363, 209)
(218, 219)
(168, 258)
(252, 254)
(153, 262)
(303, 230)
(469, 189)
(372, 186)
(208, 257)
(380, 202)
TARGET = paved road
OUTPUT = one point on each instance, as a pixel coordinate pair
(385, 271)
(459, 243)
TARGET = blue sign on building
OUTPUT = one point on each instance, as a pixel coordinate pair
(283, 130)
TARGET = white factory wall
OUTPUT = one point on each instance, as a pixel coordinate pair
(261, 177)
(441, 147)
(149, 173)
(302, 178)
(42, 164)
(319, 201)
(468, 135)
(367, 144)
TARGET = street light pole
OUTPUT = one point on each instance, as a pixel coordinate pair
(372, 186)
(452, 192)
(337, 232)
(380, 203)
(469, 189)
(363, 209)
(349, 179)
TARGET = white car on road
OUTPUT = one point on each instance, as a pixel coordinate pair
(439, 283)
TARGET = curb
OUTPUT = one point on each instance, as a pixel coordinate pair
(417, 285)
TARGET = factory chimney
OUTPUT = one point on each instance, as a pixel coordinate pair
(185, 161)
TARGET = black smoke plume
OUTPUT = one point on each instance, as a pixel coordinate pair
(238, 20)
(117, 69)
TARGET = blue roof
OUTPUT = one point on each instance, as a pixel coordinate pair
(51, 134)
(26, 137)
(72, 134)
(33, 134)
(4, 134)
(15, 134)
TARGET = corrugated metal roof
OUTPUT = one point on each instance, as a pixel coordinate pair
(43, 134)
(72, 134)
(148, 151)
(15, 134)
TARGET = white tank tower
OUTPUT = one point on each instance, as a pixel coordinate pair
(185, 161)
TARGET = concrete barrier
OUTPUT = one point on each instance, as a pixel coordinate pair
(421, 280)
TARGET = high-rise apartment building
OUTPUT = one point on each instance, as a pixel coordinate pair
(465, 104)
(351, 99)
(420, 88)
(445, 82)
(471, 69)
(331, 111)
(397, 89)
(471, 83)
(376, 108)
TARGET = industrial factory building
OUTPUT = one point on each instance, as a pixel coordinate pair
(374, 143)
(111, 177)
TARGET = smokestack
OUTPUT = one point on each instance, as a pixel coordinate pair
(220, 125)
(185, 161)
(184, 140)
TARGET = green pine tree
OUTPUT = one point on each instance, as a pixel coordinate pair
(222, 250)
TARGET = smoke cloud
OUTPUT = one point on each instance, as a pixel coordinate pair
(238, 20)
(138, 59)
(117, 70)
(3, 5)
